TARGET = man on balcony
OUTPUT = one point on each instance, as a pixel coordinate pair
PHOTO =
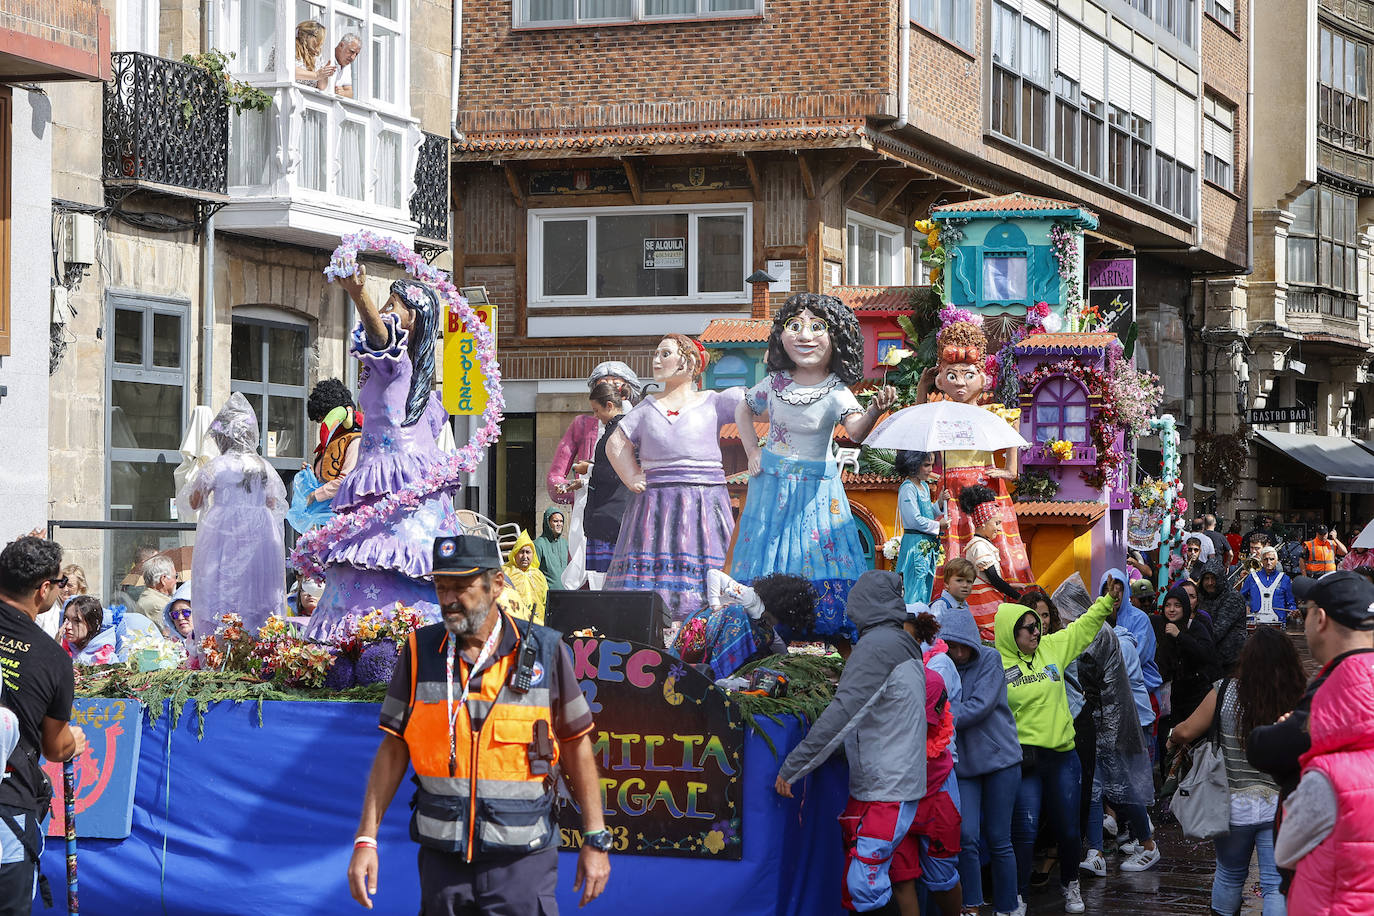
(345, 52)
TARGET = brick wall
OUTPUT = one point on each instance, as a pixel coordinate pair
(802, 60)
(1225, 74)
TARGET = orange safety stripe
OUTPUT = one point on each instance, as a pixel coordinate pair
(1321, 556)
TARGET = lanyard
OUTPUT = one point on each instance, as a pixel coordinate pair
(487, 649)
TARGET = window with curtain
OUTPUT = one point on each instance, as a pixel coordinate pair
(251, 141)
(1061, 411)
(1343, 90)
(389, 182)
(256, 25)
(685, 254)
(1323, 252)
(1004, 277)
(267, 363)
(873, 252)
(351, 164)
(575, 12)
(950, 19)
(1218, 142)
(314, 124)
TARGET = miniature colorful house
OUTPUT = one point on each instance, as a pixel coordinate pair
(1083, 528)
(1002, 258)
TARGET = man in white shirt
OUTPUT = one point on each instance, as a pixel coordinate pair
(345, 52)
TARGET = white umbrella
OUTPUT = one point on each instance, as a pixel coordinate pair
(1366, 539)
(945, 426)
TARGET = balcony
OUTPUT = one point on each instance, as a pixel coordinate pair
(429, 203)
(166, 129)
(316, 166)
(1318, 312)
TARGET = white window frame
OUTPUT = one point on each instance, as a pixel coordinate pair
(1223, 11)
(934, 16)
(853, 218)
(1219, 142)
(637, 14)
(535, 268)
(147, 41)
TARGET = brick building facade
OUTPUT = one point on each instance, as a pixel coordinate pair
(775, 133)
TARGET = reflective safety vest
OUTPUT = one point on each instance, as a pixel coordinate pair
(1321, 557)
(496, 794)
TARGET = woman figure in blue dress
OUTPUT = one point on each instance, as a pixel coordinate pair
(923, 521)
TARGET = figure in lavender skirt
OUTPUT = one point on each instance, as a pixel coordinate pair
(390, 561)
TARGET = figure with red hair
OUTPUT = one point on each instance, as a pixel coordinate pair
(667, 452)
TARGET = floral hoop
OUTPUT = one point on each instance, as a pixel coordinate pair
(448, 471)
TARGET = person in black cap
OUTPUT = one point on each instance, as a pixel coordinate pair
(478, 672)
(1338, 618)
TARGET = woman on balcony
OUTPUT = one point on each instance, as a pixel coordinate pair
(383, 563)
(309, 45)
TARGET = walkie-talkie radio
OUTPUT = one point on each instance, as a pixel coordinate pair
(523, 678)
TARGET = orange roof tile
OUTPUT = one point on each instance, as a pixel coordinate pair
(875, 298)
(1081, 512)
(581, 140)
(737, 330)
(729, 432)
(1011, 203)
(1065, 341)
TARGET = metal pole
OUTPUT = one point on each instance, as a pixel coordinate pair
(69, 805)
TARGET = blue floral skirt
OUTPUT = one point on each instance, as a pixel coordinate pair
(916, 563)
(797, 520)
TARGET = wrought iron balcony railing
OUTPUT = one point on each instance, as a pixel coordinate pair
(429, 204)
(165, 123)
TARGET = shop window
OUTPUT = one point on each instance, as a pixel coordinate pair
(577, 12)
(267, 363)
(637, 254)
(950, 19)
(873, 255)
(1343, 90)
(147, 384)
(1061, 411)
(1218, 142)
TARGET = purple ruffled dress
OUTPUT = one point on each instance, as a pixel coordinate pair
(389, 561)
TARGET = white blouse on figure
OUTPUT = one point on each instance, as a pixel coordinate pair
(802, 418)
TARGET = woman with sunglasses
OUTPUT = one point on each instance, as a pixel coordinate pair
(1034, 664)
(181, 623)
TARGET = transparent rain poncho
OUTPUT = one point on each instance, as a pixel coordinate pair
(239, 564)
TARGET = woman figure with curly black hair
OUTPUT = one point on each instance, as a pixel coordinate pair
(385, 562)
(796, 517)
(741, 623)
(979, 503)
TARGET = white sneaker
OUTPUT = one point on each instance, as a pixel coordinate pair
(1129, 846)
(1019, 911)
(1141, 860)
(1094, 863)
(1109, 824)
(1073, 898)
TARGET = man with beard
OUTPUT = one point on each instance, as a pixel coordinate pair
(457, 683)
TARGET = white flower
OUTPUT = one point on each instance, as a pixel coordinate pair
(892, 547)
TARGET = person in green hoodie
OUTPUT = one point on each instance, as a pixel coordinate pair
(1033, 668)
(551, 547)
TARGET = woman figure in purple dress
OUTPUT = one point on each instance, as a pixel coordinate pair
(679, 525)
(389, 561)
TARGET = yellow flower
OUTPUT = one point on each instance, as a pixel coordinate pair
(894, 356)
(925, 226)
(715, 841)
(933, 238)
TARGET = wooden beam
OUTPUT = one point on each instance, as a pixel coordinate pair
(865, 176)
(808, 180)
(897, 191)
(754, 179)
(633, 177)
(516, 187)
(839, 175)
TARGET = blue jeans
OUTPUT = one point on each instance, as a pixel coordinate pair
(1132, 816)
(1233, 866)
(987, 803)
(1052, 778)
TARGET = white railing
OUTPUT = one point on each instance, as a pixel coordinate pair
(318, 148)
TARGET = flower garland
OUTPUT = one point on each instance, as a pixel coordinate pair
(448, 471)
(933, 254)
(1064, 243)
(1104, 426)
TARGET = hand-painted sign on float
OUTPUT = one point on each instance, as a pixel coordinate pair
(1111, 287)
(668, 744)
(104, 775)
(465, 393)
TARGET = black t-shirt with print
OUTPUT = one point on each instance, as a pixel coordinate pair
(38, 684)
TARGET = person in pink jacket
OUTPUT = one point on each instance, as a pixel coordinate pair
(1327, 833)
(579, 441)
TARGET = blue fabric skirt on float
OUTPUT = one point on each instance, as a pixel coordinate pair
(916, 562)
(796, 520)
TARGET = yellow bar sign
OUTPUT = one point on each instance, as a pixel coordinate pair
(465, 392)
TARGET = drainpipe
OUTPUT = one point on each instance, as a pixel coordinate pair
(903, 68)
(207, 248)
(457, 68)
(1250, 155)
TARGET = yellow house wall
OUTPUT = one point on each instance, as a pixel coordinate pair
(882, 505)
(1057, 552)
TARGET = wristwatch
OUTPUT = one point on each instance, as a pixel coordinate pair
(600, 840)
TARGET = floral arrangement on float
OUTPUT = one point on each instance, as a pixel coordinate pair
(1061, 449)
(446, 473)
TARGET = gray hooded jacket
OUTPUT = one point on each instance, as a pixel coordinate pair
(878, 712)
(982, 719)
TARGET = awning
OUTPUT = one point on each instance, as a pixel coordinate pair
(1344, 463)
